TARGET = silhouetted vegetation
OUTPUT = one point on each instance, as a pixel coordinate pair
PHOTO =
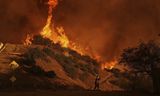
(28, 62)
(75, 62)
(40, 40)
(32, 54)
(129, 81)
(50, 74)
(48, 51)
(145, 58)
(36, 70)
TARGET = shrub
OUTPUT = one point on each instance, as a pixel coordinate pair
(50, 74)
(29, 58)
(122, 83)
(83, 76)
(34, 53)
(72, 72)
(39, 40)
(48, 51)
(37, 71)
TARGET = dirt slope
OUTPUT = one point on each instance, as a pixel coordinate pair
(71, 70)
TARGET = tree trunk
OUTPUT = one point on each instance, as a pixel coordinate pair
(156, 81)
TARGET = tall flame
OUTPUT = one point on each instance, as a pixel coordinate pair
(57, 34)
(47, 31)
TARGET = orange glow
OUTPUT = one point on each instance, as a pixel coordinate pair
(97, 57)
(47, 31)
(28, 40)
(109, 65)
(57, 34)
(62, 38)
(77, 48)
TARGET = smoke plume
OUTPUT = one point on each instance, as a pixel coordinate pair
(105, 26)
(18, 18)
(108, 26)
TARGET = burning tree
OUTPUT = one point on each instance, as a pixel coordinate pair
(145, 58)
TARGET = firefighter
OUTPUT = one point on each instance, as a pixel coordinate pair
(97, 81)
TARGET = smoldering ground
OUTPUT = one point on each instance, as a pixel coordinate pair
(106, 26)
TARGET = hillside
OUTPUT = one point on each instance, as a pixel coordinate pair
(52, 67)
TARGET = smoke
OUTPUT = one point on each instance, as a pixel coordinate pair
(18, 18)
(106, 26)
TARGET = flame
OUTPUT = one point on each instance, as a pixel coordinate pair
(57, 34)
(28, 41)
(77, 48)
(97, 57)
(105, 65)
(109, 65)
(47, 31)
(62, 38)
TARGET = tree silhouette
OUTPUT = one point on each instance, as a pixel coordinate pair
(145, 58)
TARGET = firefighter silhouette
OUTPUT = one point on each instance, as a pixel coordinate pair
(97, 81)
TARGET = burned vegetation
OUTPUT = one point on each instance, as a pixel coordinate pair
(40, 58)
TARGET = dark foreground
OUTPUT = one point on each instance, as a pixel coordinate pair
(70, 93)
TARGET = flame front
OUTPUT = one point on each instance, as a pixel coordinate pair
(109, 65)
(47, 31)
(57, 34)
(62, 38)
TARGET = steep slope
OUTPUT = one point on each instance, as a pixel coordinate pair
(53, 67)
